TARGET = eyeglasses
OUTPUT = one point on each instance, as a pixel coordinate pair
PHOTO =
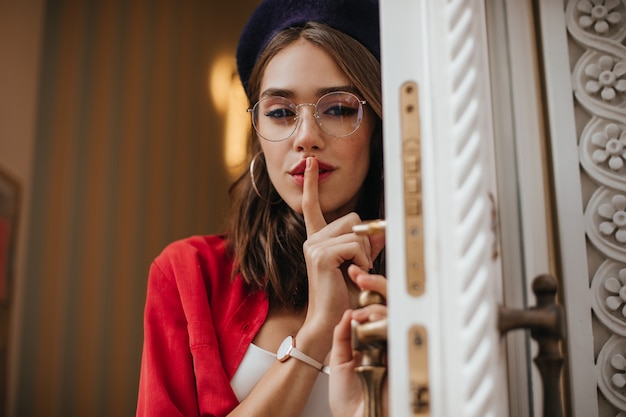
(338, 113)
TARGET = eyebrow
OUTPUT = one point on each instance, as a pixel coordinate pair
(274, 92)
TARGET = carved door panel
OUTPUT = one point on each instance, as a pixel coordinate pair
(520, 111)
(585, 72)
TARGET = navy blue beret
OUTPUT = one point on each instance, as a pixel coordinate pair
(355, 18)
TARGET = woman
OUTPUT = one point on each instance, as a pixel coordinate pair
(221, 310)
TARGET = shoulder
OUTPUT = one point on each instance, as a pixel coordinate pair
(206, 256)
(199, 248)
(196, 245)
(199, 269)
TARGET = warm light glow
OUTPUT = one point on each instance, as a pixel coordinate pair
(219, 81)
(230, 101)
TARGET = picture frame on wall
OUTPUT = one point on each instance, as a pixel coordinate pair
(9, 211)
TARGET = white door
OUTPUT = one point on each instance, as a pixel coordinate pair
(520, 121)
(443, 264)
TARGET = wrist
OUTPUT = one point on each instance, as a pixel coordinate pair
(288, 349)
(314, 342)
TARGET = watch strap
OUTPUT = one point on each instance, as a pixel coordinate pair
(287, 349)
(295, 353)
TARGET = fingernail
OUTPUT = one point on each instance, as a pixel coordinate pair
(308, 163)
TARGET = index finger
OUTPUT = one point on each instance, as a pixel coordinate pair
(311, 209)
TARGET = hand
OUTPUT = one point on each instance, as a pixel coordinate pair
(346, 392)
(328, 249)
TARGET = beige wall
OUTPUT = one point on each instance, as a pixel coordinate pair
(107, 122)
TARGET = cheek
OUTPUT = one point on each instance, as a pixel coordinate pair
(364, 164)
(359, 160)
(273, 157)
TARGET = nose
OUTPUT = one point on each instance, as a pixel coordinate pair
(308, 134)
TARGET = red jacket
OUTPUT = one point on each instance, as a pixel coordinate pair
(198, 324)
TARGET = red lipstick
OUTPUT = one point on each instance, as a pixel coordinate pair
(297, 172)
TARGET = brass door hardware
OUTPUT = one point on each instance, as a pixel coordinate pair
(418, 371)
(412, 172)
(370, 338)
(414, 242)
(546, 325)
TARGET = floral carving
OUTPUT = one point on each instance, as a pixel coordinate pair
(615, 215)
(611, 372)
(606, 77)
(612, 146)
(599, 15)
(608, 290)
(617, 288)
(618, 363)
(598, 27)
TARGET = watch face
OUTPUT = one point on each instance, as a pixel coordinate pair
(284, 349)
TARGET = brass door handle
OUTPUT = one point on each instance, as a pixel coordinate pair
(547, 327)
(370, 338)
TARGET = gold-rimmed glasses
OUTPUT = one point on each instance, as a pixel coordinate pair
(338, 113)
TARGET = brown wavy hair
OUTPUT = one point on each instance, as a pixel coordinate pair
(266, 235)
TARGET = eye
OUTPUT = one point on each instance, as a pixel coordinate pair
(339, 110)
(277, 108)
(339, 104)
(279, 113)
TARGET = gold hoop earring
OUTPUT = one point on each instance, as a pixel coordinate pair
(256, 190)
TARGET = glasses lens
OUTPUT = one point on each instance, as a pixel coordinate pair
(274, 118)
(339, 113)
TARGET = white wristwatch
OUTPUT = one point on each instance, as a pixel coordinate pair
(287, 349)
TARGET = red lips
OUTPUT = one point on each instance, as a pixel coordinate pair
(297, 172)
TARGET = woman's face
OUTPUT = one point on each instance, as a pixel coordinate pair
(303, 73)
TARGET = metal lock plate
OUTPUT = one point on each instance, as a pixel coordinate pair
(418, 371)
(412, 171)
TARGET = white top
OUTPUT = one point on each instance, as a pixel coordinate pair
(254, 365)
